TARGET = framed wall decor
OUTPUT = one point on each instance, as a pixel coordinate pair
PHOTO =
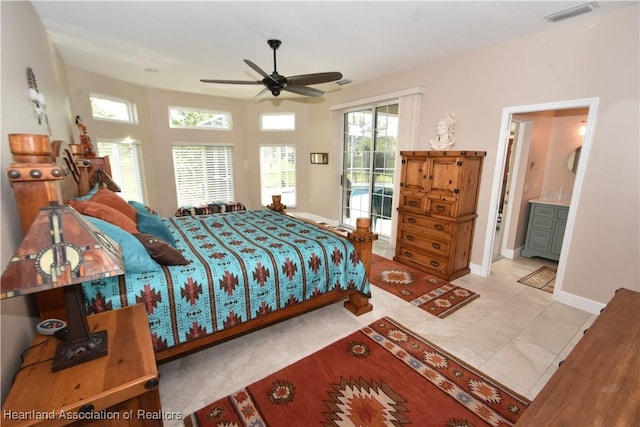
(319, 158)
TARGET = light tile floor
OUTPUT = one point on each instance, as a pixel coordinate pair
(514, 333)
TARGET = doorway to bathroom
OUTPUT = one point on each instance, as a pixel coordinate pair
(535, 144)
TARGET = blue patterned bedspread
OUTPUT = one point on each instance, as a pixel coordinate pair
(242, 266)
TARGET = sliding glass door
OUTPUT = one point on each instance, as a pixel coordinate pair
(369, 153)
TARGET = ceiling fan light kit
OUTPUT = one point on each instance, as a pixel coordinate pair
(276, 83)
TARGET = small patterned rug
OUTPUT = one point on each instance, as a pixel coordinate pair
(543, 278)
(432, 294)
(381, 375)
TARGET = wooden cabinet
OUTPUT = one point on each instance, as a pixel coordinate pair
(437, 210)
(120, 388)
(545, 230)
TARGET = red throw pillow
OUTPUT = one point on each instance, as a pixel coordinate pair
(105, 213)
(111, 199)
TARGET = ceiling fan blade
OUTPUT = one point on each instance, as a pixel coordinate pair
(261, 92)
(260, 71)
(313, 79)
(304, 90)
(233, 82)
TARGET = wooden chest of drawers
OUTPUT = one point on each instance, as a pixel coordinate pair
(437, 210)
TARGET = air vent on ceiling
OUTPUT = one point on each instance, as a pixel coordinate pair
(571, 12)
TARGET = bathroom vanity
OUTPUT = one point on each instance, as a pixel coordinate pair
(545, 230)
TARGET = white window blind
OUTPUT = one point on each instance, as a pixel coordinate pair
(204, 173)
(278, 173)
(125, 159)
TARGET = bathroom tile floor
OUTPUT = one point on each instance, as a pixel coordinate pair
(514, 333)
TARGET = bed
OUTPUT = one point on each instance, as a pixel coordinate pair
(243, 270)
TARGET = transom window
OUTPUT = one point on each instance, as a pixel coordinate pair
(203, 173)
(190, 118)
(112, 109)
(278, 173)
(125, 158)
(277, 121)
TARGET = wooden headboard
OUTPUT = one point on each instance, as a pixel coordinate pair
(43, 172)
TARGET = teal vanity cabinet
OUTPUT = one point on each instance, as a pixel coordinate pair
(545, 231)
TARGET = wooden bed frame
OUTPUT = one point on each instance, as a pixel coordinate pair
(37, 179)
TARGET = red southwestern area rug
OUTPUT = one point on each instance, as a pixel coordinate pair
(382, 375)
(434, 295)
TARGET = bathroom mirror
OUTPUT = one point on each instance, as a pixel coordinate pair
(573, 158)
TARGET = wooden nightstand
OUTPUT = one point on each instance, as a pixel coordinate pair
(118, 389)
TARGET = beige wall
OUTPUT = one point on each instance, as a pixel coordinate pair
(564, 138)
(21, 27)
(594, 56)
(157, 137)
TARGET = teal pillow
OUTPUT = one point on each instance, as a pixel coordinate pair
(152, 224)
(89, 195)
(141, 207)
(135, 255)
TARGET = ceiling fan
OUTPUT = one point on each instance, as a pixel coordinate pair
(275, 82)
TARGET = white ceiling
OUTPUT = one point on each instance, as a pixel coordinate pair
(185, 41)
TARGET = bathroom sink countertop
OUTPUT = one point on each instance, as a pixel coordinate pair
(558, 202)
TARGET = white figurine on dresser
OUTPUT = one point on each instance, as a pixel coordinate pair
(446, 128)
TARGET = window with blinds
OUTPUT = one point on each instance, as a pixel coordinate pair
(204, 173)
(125, 158)
(278, 173)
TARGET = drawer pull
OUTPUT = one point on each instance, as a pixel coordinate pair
(151, 384)
(408, 254)
(435, 263)
(440, 208)
(413, 203)
(436, 245)
(411, 220)
(409, 237)
(438, 227)
(84, 409)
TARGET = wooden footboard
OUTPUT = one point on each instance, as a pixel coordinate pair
(37, 179)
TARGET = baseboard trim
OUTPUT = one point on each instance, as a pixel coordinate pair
(315, 218)
(578, 302)
(511, 253)
(478, 270)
